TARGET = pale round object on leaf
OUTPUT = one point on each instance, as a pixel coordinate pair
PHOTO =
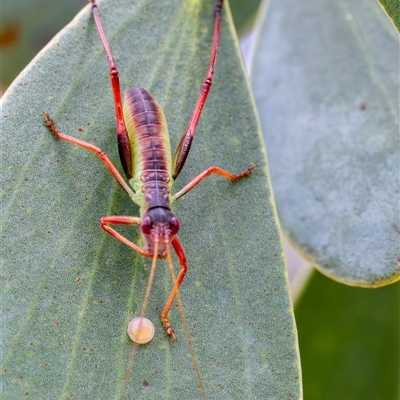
(141, 330)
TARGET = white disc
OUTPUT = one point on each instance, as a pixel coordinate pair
(141, 330)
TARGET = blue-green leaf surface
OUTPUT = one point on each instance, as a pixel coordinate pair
(70, 289)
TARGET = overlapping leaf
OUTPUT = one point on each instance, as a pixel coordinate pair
(326, 82)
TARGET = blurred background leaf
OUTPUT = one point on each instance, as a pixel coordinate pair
(244, 14)
(26, 27)
(349, 341)
(392, 9)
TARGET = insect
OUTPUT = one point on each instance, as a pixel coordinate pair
(144, 150)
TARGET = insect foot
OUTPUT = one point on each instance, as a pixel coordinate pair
(168, 328)
(50, 124)
(245, 172)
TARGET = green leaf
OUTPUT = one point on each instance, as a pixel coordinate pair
(326, 83)
(244, 13)
(349, 341)
(392, 9)
(70, 289)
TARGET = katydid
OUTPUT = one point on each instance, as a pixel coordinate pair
(144, 150)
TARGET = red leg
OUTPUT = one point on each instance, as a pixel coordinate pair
(183, 261)
(184, 146)
(122, 136)
(208, 172)
(121, 220)
(88, 146)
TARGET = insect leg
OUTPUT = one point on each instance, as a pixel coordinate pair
(208, 172)
(183, 261)
(88, 146)
(122, 136)
(184, 146)
(122, 220)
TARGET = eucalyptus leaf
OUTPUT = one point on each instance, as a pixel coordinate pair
(326, 83)
(69, 289)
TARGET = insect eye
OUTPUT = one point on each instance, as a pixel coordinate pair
(146, 225)
(174, 225)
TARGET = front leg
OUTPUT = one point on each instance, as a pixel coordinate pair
(180, 252)
(123, 220)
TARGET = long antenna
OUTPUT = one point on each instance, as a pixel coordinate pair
(186, 326)
(142, 313)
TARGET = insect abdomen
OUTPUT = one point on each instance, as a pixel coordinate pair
(150, 148)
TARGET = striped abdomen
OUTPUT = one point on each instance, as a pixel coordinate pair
(150, 176)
